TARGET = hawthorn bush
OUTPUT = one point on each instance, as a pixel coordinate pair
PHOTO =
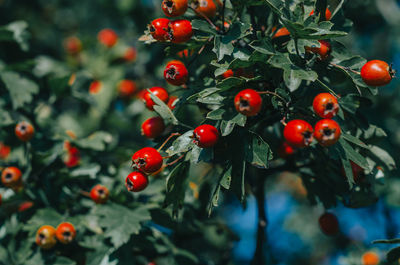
(107, 159)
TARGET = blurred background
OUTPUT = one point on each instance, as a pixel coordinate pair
(293, 233)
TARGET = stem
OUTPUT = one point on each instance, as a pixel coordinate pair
(259, 256)
(166, 141)
(200, 51)
(327, 88)
(84, 193)
(205, 17)
(175, 161)
(344, 68)
(272, 93)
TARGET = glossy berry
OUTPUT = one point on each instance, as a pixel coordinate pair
(72, 45)
(147, 160)
(370, 258)
(127, 88)
(323, 51)
(95, 87)
(377, 73)
(248, 102)
(174, 8)
(282, 32)
(327, 132)
(176, 73)
(325, 105)
(159, 29)
(206, 7)
(173, 100)
(205, 136)
(298, 133)
(136, 181)
(4, 151)
(228, 73)
(153, 127)
(328, 14)
(107, 37)
(159, 92)
(130, 54)
(65, 233)
(180, 31)
(11, 177)
(329, 224)
(99, 194)
(286, 150)
(46, 237)
(24, 131)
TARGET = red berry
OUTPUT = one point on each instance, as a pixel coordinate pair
(130, 54)
(25, 206)
(159, 29)
(206, 7)
(323, 51)
(281, 33)
(153, 127)
(325, 105)
(136, 181)
(370, 258)
(24, 131)
(173, 100)
(358, 172)
(4, 151)
(99, 194)
(176, 73)
(95, 87)
(11, 177)
(72, 45)
(107, 37)
(329, 224)
(298, 133)
(228, 73)
(327, 132)
(328, 14)
(127, 88)
(180, 31)
(286, 150)
(248, 102)
(174, 8)
(46, 237)
(147, 160)
(65, 233)
(377, 73)
(159, 92)
(205, 136)
(185, 53)
(73, 157)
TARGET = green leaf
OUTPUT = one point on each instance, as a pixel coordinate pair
(19, 32)
(21, 89)
(182, 144)
(162, 109)
(90, 170)
(97, 141)
(238, 177)
(383, 156)
(121, 222)
(202, 25)
(43, 216)
(176, 186)
(352, 154)
(393, 255)
(354, 140)
(257, 151)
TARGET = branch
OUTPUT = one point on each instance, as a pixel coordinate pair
(205, 17)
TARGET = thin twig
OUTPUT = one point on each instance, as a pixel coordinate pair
(272, 93)
(327, 88)
(175, 161)
(166, 141)
(84, 193)
(344, 68)
(204, 16)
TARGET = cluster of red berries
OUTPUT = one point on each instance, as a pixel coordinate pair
(47, 235)
(176, 31)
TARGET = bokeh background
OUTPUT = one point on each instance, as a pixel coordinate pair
(293, 233)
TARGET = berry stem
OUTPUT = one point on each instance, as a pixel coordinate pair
(272, 93)
(166, 141)
(204, 16)
(344, 68)
(84, 193)
(175, 161)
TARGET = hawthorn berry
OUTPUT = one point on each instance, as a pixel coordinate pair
(25, 206)
(228, 73)
(46, 237)
(95, 87)
(370, 258)
(136, 181)
(323, 51)
(159, 92)
(377, 73)
(4, 151)
(205, 136)
(248, 102)
(326, 105)
(11, 177)
(65, 232)
(176, 73)
(282, 32)
(327, 132)
(153, 127)
(329, 224)
(174, 8)
(147, 160)
(206, 7)
(298, 133)
(328, 14)
(130, 54)
(173, 100)
(180, 31)
(286, 150)
(73, 157)
(24, 131)
(126, 88)
(99, 194)
(72, 45)
(185, 53)
(107, 37)
(358, 172)
(159, 29)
